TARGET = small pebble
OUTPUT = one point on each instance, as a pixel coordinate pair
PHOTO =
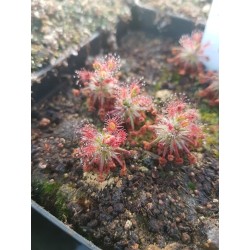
(93, 194)
(177, 219)
(150, 206)
(119, 183)
(134, 222)
(128, 225)
(130, 177)
(192, 174)
(62, 140)
(162, 196)
(42, 165)
(60, 145)
(155, 173)
(172, 200)
(183, 215)
(135, 246)
(185, 238)
(196, 191)
(110, 209)
(44, 122)
(161, 202)
(200, 209)
(93, 223)
(128, 214)
(209, 205)
(143, 169)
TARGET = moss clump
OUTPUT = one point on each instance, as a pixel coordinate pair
(53, 196)
(64, 195)
(191, 186)
(44, 193)
(210, 116)
(167, 76)
(142, 221)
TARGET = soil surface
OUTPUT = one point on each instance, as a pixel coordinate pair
(58, 27)
(152, 207)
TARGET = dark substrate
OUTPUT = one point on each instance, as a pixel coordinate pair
(169, 207)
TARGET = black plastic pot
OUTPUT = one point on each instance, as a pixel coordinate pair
(173, 26)
(50, 79)
(54, 78)
(51, 234)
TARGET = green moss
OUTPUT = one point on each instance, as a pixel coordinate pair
(53, 196)
(44, 193)
(50, 188)
(175, 77)
(158, 86)
(205, 107)
(142, 221)
(165, 77)
(64, 196)
(210, 117)
(191, 186)
(44, 190)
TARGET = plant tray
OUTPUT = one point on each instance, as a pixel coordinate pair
(139, 210)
